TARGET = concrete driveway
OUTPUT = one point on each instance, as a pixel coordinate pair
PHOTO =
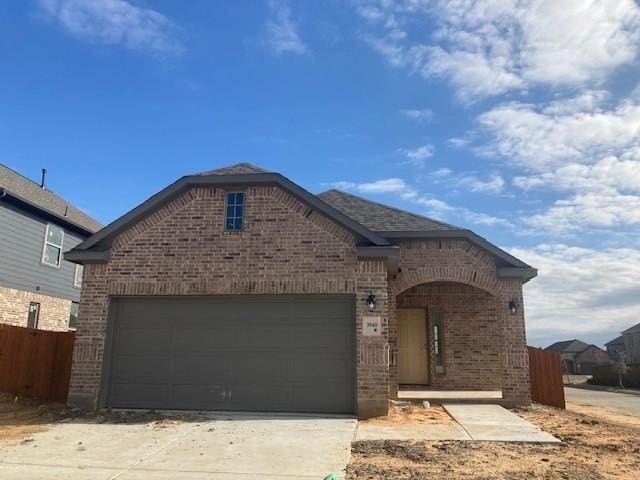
(625, 403)
(230, 446)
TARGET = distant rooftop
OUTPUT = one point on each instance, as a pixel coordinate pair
(25, 188)
(237, 169)
(568, 346)
(378, 217)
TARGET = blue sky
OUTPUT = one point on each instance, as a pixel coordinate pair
(517, 119)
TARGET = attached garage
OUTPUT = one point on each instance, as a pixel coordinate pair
(250, 353)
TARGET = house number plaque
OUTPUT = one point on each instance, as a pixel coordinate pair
(371, 326)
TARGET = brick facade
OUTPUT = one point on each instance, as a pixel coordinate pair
(501, 335)
(14, 309)
(182, 249)
(288, 248)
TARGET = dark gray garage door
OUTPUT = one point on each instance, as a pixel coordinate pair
(289, 354)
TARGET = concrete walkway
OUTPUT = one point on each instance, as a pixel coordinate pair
(473, 422)
(230, 447)
(627, 404)
(495, 423)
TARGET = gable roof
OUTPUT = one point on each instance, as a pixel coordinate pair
(30, 193)
(244, 174)
(635, 328)
(356, 214)
(379, 217)
(568, 346)
(616, 341)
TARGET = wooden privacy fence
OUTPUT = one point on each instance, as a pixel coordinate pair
(35, 362)
(545, 376)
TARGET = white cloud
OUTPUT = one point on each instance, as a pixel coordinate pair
(579, 129)
(116, 22)
(417, 156)
(580, 292)
(604, 210)
(388, 185)
(622, 174)
(495, 184)
(419, 115)
(494, 46)
(282, 32)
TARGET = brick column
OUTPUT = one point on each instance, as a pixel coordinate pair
(88, 351)
(516, 390)
(372, 351)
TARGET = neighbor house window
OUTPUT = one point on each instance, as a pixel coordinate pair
(34, 315)
(436, 320)
(235, 211)
(52, 251)
(77, 276)
(73, 315)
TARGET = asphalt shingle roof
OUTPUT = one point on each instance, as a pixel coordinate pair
(568, 346)
(378, 217)
(635, 328)
(237, 169)
(27, 189)
(616, 341)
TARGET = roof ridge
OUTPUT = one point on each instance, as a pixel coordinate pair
(243, 165)
(407, 212)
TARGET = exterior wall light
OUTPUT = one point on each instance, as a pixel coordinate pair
(371, 302)
(513, 307)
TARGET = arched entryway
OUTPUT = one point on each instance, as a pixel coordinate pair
(448, 336)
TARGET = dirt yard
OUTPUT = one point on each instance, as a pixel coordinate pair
(597, 445)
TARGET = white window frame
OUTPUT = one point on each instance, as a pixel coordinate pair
(79, 269)
(46, 242)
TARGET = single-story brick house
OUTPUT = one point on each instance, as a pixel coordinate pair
(236, 289)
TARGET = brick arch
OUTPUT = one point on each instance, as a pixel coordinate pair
(464, 275)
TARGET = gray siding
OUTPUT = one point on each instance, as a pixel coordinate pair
(21, 242)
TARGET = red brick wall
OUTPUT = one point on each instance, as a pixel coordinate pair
(182, 249)
(471, 335)
(14, 309)
(460, 262)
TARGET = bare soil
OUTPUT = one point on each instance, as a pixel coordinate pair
(597, 445)
(413, 415)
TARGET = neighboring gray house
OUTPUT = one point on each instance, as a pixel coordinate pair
(615, 348)
(631, 339)
(38, 288)
(579, 357)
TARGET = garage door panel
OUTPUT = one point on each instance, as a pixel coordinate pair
(206, 339)
(336, 402)
(323, 338)
(199, 397)
(152, 368)
(320, 368)
(144, 341)
(199, 369)
(139, 395)
(269, 397)
(265, 367)
(282, 353)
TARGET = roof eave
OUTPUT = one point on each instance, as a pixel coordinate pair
(83, 257)
(45, 213)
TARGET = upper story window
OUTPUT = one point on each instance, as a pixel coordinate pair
(77, 276)
(52, 250)
(73, 315)
(234, 217)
